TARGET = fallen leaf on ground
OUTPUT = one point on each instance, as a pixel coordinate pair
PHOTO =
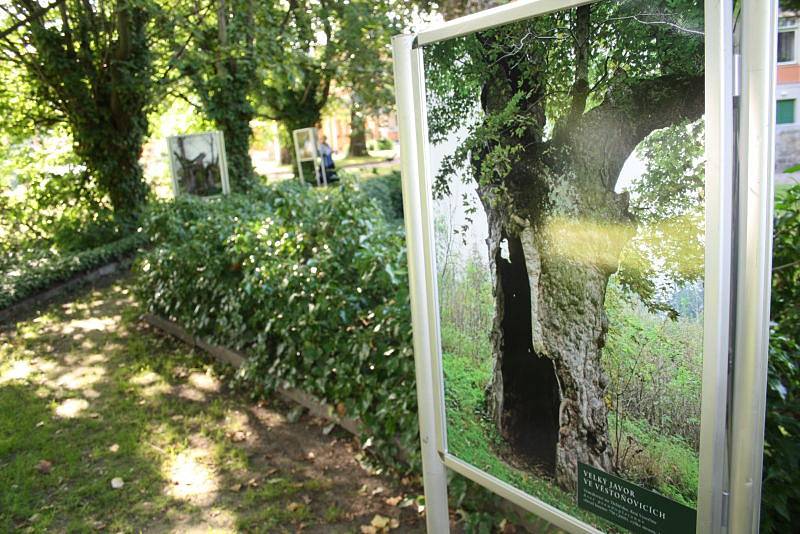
(237, 436)
(380, 522)
(253, 483)
(328, 429)
(311, 456)
(363, 490)
(405, 503)
(236, 487)
(39, 424)
(507, 528)
(368, 529)
(294, 414)
(293, 506)
(117, 483)
(377, 491)
(394, 501)
(44, 466)
(114, 448)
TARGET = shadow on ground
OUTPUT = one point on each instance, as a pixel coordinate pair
(91, 399)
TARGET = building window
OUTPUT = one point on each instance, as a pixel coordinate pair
(785, 111)
(786, 46)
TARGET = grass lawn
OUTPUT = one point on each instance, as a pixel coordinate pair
(669, 463)
(90, 399)
(471, 437)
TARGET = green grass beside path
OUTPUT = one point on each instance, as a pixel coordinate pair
(108, 426)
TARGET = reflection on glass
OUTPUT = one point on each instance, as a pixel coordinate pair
(568, 200)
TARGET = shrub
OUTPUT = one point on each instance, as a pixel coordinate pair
(310, 283)
(381, 144)
(386, 191)
(780, 506)
(24, 281)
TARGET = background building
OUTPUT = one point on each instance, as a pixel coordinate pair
(787, 94)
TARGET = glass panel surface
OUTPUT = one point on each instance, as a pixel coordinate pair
(568, 184)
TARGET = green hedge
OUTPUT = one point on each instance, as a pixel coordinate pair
(780, 507)
(386, 190)
(309, 282)
(25, 281)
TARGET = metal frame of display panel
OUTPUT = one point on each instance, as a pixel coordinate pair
(721, 410)
(223, 161)
(316, 159)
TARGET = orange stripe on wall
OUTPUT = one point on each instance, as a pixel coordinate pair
(788, 74)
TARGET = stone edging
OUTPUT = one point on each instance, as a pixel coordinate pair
(315, 406)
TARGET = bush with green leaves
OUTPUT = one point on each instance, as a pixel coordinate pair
(20, 283)
(780, 507)
(309, 282)
(387, 192)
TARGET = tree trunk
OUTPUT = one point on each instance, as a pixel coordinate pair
(358, 134)
(556, 231)
(234, 123)
(551, 267)
(113, 159)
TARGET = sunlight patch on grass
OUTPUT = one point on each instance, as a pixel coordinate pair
(19, 370)
(145, 378)
(91, 324)
(81, 377)
(71, 408)
(204, 382)
(192, 478)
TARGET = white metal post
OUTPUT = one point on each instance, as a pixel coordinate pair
(719, 200)
(756, 138)
(433, 470)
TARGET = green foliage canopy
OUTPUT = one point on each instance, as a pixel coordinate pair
(89, 66)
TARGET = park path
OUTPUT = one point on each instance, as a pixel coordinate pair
(106, 425)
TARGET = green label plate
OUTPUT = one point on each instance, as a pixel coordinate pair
(637, 509)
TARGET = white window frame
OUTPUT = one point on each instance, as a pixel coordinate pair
(792, 29)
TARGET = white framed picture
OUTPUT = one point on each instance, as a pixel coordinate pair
(307, 151)
(198, 164)
(569, 199)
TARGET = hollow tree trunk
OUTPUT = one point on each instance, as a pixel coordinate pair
(556, 231)
(551, 267)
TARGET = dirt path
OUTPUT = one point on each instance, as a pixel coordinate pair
(106, 425)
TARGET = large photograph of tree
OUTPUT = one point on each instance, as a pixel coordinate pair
(568, 161)
(197, 163)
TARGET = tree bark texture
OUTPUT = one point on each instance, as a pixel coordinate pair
(555, 239)
(358, 134)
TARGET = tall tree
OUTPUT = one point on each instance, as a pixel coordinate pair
(91, 64)
(304, 46)
(554, 107)
(214, 46)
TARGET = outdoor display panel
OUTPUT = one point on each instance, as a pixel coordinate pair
(307, 153)
(198, 164)
(575, 197)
